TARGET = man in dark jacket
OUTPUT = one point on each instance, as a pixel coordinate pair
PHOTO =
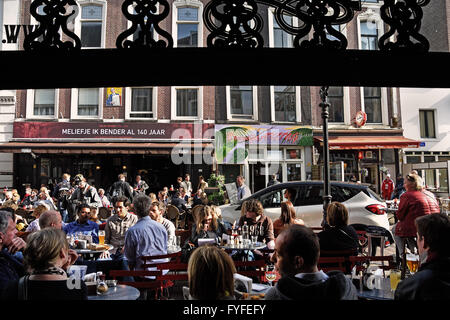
(120, 189)
(296, 255)
(432, 281)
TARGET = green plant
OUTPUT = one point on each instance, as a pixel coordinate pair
(217, 198)
(216, 180)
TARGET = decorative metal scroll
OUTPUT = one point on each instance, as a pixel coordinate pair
(145, 19)
(404, 18)
(233, 23)
(236, 23)
(58, 14)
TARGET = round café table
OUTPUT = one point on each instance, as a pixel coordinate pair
(92, 254)
(246, 248)
(119, 292)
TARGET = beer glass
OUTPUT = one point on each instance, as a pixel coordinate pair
(270, 274)
(101, 236)
(412, 261)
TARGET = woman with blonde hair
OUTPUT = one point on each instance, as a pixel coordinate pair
(211, 274)
(206, 226)
(286, 218)
(46, 258)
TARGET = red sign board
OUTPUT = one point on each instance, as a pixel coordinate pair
(102, 130)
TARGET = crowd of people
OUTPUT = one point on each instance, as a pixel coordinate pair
(138, 226)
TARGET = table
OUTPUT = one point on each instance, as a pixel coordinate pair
(88, 253)
(384, 293)
(253, 246)
(119, 292)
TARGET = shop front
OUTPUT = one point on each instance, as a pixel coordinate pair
(366, 159)
(159, 152)
(259, 151)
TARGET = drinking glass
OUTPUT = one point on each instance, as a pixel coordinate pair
(254, 239)
(395, 278)
(178, 241)
(270, 274)
(101, 236)
(412, 261)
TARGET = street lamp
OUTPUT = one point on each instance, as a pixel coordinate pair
(326, 154)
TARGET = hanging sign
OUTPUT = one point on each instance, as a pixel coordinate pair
(361, 118)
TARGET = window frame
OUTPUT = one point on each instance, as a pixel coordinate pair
(173, 113)
(74, 104)
(129, 101)
(271, 17)
(298, 105)
(255, 105)
(30, 106)
(78, 20)
(434, 112)
(178, 4)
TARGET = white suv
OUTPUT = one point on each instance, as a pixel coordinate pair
(364, 206)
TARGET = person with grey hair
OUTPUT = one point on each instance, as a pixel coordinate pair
(147, 237)
(11, 268)
(243, 191)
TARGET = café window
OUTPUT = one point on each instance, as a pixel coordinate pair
(90, 26)
(241, 102)
(140, 103)
(368, 35)
(188, 23)
(187, 102)
(286, 100)
(427, 124)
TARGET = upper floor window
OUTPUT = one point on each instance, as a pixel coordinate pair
(187, 26)
(336, 100)
(141, 103)
(369, 35)
(427, 124)
(44, 102)
(242, 102)
(90, 23)
(282, 39)
(372, 104)
(187, 103)
(88, 102)
(285, 103)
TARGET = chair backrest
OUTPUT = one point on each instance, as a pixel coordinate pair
(149, 284)
(339, 253)
(332, 263)
(184, 235)
(172, 212)
(174, 257)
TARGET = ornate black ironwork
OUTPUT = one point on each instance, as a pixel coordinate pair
(404, 18)
(233, 23)
(57, 15)
(145, 19)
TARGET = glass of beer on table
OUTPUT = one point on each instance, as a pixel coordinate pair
(101, 236)
(395, 278)
(412, 261)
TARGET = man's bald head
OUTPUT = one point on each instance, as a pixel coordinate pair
(50, 219)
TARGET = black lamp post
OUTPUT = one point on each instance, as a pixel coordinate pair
(326, 154)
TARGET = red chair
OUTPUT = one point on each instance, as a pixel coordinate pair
(173, 257)
(143, 284)
(332, 263)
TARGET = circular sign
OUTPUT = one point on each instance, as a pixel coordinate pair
(361, 118)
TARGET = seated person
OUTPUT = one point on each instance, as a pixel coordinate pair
(156, 213)
(338, 236)
(83, 224)
(178, 202)
(184, 195)
(296, 255)
(210, 274)
(205, 226)
(11, 267)
(198, 198)
(34, 225)
(286, 218)
(254, 215)
(47, 258)
(432, 281)
(94, 216)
